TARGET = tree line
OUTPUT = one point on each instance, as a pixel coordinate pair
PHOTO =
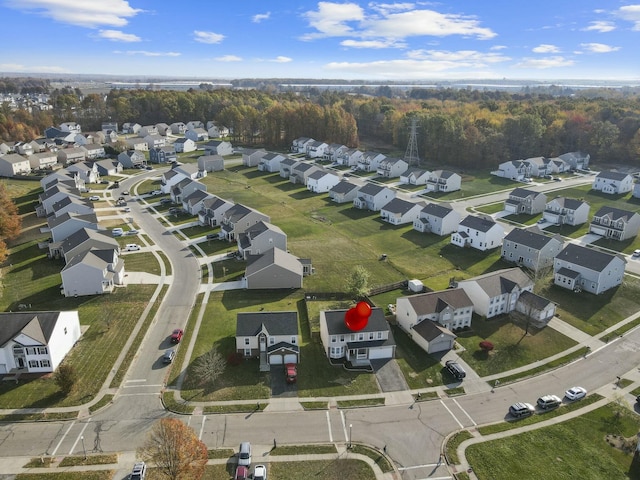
(456, 128)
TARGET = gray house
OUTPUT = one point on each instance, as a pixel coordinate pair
(373, 197)
(343, 192)
(67, 224)
(92, 272)
(210, 163)
(270, 336)
(252, 157)
(531, 248)
(566, 211)
(131, 158)
(615, 223)
(218, 147)
(261, 237)
(438, 218)
(212, 211)
(238, 219)
(274, 269)
(400, 212)
(452, 309)
(580, 268)
(392, 167)
(522, 200)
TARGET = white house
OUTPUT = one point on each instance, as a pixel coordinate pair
(92, 272)
(252, 157)
(272, 337)
(580, 268)
(399, 211)
(438, 218)
(270, 162)
(67, 224)
(299, 145)
(349, 158)
(43, 160)
(197, 134)
(261, 237)
(13, 164)
(316, 149)
(344, 191)
(131, 158)
(36, 342)
(566, 211)
(443, 181)
(577, 160)
(481, 233)
(615, 223)
(322, 181)
(373, 197)
(513, 169)
(370, 161)
(184, 145)
(614, 183)
(392, 167)
(218, 147)
(414, 176)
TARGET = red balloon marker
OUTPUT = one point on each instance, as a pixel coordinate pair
(363, 309)
(356, 318)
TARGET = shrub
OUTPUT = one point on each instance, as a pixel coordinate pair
(486, 346)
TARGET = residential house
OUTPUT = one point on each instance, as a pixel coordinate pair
(72, 204)
(414, 176)
(131, 158)
(36, 342)
(147, 130)
(522, 200)
(299, 145)
(252, 157)
(392, 167)
(55, 132)
(184, 188)
(531, 248)
(108, 167)
(481, 233)
(155, 141)
(72, 155)
(166, 154)
(443, 181)
(270, 336)
(333, 151)
(184, 145)
(373, 197)
(614, 183)
(194, 124)
(131, 127)
(580, 268)
(51, 196)
(270, 162)
(577, 160)
(301, 171)
(400, 212)
(194, 202)
(24, 148)
(217, 131)
(139, 144)
(274, 269)
(94, 151)
(261, 237)
(108, 126)
(218, 147)
(321, 181)
(87, 171)
(374, 341)
(67, 224)
(370, 161)
(513, 169)
(210, 163)
(636, 190)
(343, 192)
(558, 165)
(212, 211)
(62, 176)
(7, 147)
(566, 211)
(81, 241)
(540, 166)
(43, 161)
(92, 272)
(197, 134)
(163, 129)
(316, 149)
(350, 157)
(286, 167)
(615, 223)
(238, 219)
(438, 218)
(190, 170)
(441, 313)
(538, 310)
(71, 127)
(178, 128)
(496, 292)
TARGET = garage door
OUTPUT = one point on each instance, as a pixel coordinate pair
(275, 359)
(385, 352)
(598, 230)
(291, 358)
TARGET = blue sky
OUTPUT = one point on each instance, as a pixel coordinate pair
(463, 39)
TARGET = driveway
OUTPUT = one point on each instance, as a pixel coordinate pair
(389, 375)
(279, 387)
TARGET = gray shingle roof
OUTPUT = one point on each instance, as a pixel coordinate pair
(430, 330)
(336, 326)
(614, 213)
(501, 281)
(249, 324)
(437, 210)
(478, 223)
(37, 325)
(344, 186)
(398, 205)
(433, 302)
(618, 176)
(528, 237)
(585, 257)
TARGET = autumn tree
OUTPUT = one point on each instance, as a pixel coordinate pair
(65, 378)
(175, 450)
(10, 221)
(209, 367)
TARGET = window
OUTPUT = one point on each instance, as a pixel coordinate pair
(379, 335)
(342, 338)
(333, 339)
(272, 341)
(45, 364)
(293, 339)
(246, 341)
(33, 364)
(370, 335)
(65, 330)
(42, 350)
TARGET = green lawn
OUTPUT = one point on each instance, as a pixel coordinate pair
(420, 370)
(573, 449)
(476, 183)
(141, 262)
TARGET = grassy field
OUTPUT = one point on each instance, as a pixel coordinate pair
(577, 448)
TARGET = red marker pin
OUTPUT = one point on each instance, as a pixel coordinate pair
(356, 318)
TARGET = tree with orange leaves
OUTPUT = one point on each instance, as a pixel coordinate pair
(175, 450)
(10, 221)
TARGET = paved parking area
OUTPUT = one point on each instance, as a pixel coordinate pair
(389, 375)
(279, 386)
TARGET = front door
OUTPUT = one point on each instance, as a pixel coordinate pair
(263, 343)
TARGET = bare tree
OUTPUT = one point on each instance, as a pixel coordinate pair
(175, 449)
(208, 368)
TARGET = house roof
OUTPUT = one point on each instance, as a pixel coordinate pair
(585, 257)
(274, 256)
(196, 196)
(434, 302)
(336, 326)
(481, 224)
(94, 257)
(569, 203)
(567, 272)
(430, 330)
(60, 219)
(183, 140)
(250, 324)
(530, 237)
(36, 325)
(614, 213)
(443, 173)
(371, 189)
(524, 193)
(343, 186)
(609, 175)
(534, 301)
(400, 206)
(437, 210)
(262, 227)
(501, 281)
(84, 235)
(63, 202)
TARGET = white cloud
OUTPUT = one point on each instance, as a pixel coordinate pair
(498, 47)
(600, 26)
(546, 62)
(598, 47)
(390, 22)
(372, 44)
(207, 37)
(546, 48)
(86, 13)
(281, 59)
(17, 67)
(260, 17)
(147, 53)
(118, 36)
(630, 13)
(228, 58)
(464, 58)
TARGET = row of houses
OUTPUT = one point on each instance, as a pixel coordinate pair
(211, 129)
(521, 170)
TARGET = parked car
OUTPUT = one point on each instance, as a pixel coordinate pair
(291, 372)
(139, 471)
(176, 335)
(168, 356)
(94, 198)
(117, 232)
(242, 473)
(557, 179)
(149, 167)
(211, 236)
(126, 192)
(549, 401)
(260, 472)
(165, 201)
(636, 253)
(133, 231)
(521, 410)
(542, 220)
(126, 209)
(156, 192)
(455, 369)
(244, 454)
(575, 393)
(132, 247)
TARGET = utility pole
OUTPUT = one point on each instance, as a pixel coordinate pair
(411, 155)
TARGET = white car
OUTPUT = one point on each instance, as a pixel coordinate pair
(636, 253)
(260, 472)
(94, 198)
(126, 209)
(132, 247)
(117, 232)
(575, 393)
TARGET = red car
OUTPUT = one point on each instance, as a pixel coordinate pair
(242, 473)
(291, 372)
(176, 336)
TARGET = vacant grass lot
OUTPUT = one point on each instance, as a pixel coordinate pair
(572, 449)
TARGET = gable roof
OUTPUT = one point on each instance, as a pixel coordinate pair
(534, 301)
(336, 326)
(343, 186)
(530, 237)
(371, 189)
(609, 175)
(273, 256)
(36, 325)
(60, 219)
(586, 257)
(568, 203)
(434, 302)
(437, 210)
(398, 205)
(614, 213)
(430, 330)
(501, 281)
(523, 193)
(481, 224)
(250, 324)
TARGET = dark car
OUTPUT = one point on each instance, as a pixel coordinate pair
(166, 200)
(455, 370)
(168, 356)
(521, 409)
(176, 335)
(211, 236)
(291, 372)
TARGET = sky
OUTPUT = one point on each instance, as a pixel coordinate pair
(413, 41)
